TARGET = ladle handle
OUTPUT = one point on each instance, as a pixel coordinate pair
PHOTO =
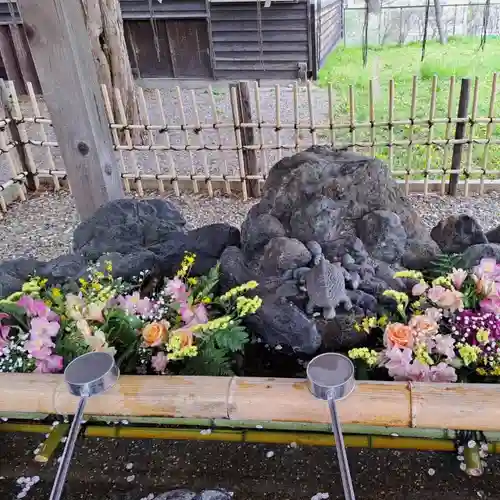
(62, 472)
(341, 453)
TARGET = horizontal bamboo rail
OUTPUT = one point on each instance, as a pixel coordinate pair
(393, 404)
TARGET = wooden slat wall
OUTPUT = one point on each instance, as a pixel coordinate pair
(16, 57)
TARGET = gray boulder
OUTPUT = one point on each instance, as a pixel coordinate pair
(383, 235)
(283, 253)
(456, 233)
(493, 235)
(473, 255)
(64, 268)
(126, 226)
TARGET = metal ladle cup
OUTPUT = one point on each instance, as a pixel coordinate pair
(331, 377)
(86, 376)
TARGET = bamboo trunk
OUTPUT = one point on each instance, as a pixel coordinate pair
(395, 404)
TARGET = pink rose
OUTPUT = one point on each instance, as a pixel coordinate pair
(423, 326)
(450, 300)
(159, 362)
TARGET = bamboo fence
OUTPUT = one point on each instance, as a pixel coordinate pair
(392, 404)
(443, 137)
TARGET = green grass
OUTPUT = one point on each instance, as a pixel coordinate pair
(460, 58)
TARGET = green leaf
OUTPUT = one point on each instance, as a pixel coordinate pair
(231, 339)
(207, 283)
(16, 312)
(212, 362)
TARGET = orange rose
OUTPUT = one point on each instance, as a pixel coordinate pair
(155, 333)
(186, 336)
(398, 335)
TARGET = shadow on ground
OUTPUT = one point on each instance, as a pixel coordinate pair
(99, 471)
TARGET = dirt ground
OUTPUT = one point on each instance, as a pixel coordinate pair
(99, 471)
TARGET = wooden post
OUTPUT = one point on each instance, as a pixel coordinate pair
(247, 136)
(62, 54)
(462, 112)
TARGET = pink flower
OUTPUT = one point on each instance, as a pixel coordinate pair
(488, 268)
(451, 300)
(442, 373)
(4, 335)
(419, 289)
(159, 362)
(133, 304)
(397, 362)
(42, 327)
(458, 277)
(193, 315)
(491, 304)
(51, 364)
(445, 345)
(40, 347)
(177, 290)
(485, 286)
(418, 372)
(36, 308)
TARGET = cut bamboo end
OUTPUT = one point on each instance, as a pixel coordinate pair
(394, 404)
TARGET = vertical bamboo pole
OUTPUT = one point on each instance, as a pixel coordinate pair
(352, 118)
(143, 112)
(216, 123)
(122, 116)
(237, 133)
(277, 94)
(14, 167)
(462, 113)
(468, 165)
(413, 110)
(489, 130)
(296, 116)
(331, 115)
(201, 139)
(312, 121)
(43, 135)
(258, 111)
(108, 106)
(371, 112)
(390, 124)
(187, 144)
(430, 133)
(447, 132)
(166, 139)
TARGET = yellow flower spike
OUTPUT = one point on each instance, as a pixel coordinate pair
(239, 290)
(417, 275)
(383, 321)
(422, 354)
(481, 371)
(56, 292)
(206, 300)
(442, 281)
(369, 356)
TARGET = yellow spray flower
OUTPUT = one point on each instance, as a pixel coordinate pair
(482, 335)
(416, 275)
(186, 265)
(239, 290)
(369, 356)
(246, 306)
(442, 281)
(214, 324)
(469, 353)
(399, 297)
(56, 292)
(422, 354)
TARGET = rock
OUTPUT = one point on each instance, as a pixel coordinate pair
(207, 243)
(190, 495)
(64, 268)
(258, 229)
(363, 300)
(127, 226)
(22, 269)
(283, 253)
(456, 233)
(493, 235)
(9, 284)
(130, 265)
(473, 255)
(340, 333)
(278, 321)
(352, 245)
(383, 235)
(418, 255)
(319, 220)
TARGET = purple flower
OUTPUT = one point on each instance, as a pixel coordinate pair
(159, 362)
(193, 315)
(176, 288)
(490, 304)
(42, 327)
(40, 343)
(133, 304)
(418, 372)
(442, 373)
(4, 335)
(397, 362)
(51, 364)
(489, 269)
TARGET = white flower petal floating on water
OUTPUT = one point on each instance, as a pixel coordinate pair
(130, 478)
(129, 466)
(320, 496)
(431, 472)
(206, 432)
(270, 454)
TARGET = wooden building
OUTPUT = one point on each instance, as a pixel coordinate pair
(206, 39)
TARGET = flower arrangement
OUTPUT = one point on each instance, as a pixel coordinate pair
(181, 327)
(443, 330)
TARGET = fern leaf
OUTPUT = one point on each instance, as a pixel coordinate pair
(231, 339)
